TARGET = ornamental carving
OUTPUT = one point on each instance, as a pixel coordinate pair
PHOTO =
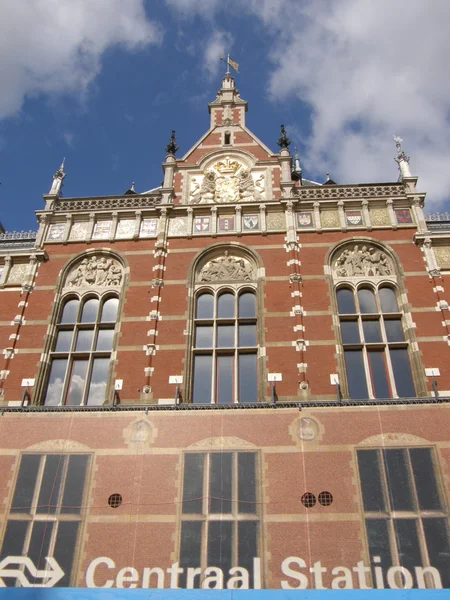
(226, 268)
(93, 204)
(98, 271)
(365, 261)
(325, 192)
(227, 181)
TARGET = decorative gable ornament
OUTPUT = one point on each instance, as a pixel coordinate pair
(95, 271)
(364, 261)
(226, 268)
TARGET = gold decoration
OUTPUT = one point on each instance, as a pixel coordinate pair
(227, 166)
(442, 254)
(379, 216)
(329, 218)
(275, 220)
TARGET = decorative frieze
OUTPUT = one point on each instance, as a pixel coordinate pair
(96, 271)
(89, 204)
(362, 262)
(338, 192)
(227, 268)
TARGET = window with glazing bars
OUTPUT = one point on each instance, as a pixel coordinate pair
(46, 512)
(405, 514)
(220, 512)
(225, 348)
(82, 352)
(375, 349)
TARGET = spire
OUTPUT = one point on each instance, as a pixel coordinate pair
(297, 170)
(130, 190)
(283, 140)
(402, 159)
(172, 147)
(58, 180)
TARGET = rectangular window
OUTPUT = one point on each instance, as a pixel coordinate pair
(220, 513)
(46, 512)
(405, 518)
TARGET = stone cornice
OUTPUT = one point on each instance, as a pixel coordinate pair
(107, 203)
(348, 192)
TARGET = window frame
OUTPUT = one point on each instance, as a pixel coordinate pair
(215, 351)
(383, 346)
(71, 356)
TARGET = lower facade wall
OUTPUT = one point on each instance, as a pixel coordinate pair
(353, 497)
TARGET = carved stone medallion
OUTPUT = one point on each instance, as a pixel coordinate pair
(95, 271)
(226, 268)
(362, 261)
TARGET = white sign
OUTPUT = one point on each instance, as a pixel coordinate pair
(274, 377)
(334, 378)
(118, 384)
(50, 576)
(176, 379)
(432, 372)
(27, 382)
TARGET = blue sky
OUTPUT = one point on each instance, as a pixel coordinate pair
(103, 83)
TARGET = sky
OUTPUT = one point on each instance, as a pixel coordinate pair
(102, 83)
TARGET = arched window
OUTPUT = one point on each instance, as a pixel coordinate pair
(374, 343)
(81, 353)
(225, 346)
(227, 138)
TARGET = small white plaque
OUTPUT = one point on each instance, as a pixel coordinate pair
(176, 379)
(27, 382)
(334, 378)
(433, 372)
(118, 384)
(274, 377)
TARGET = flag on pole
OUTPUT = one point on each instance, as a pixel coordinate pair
(233, 64)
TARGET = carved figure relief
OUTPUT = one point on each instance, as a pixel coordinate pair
(98, 271)
(227, 181)
(362, 262)
(226, 268)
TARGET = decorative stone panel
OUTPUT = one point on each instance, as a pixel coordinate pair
(227, 268)
(329, 218)
(95, 271)
(275, 220)
(365, 261)
(379, 217)
(442, 254)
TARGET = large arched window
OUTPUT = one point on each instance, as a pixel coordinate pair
(373, 339)
(225, 346)
(81, 353)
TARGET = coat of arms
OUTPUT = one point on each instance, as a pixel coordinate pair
(250, 222)
(403, 215)
(304, 219)
(353, 217)
(201, 224)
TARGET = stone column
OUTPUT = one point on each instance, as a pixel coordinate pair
(366, 214)
(90, 229)
(238, 219)
(69, 220)
(190, 220)
(317, 221)
(342, 215)
(262, 216)
(391, 213)
(137, 224)
(112, 231)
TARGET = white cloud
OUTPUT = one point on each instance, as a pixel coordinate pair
(217, 45)
(367, 70)
(56, 46)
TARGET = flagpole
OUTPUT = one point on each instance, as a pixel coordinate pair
(228, 64)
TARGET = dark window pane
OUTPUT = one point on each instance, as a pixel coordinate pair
(436, 536)
(205, 306)
(193, 483)
(247, 378)
(225, 306)
(402, 373)
(246, 483)
(51, 484)
(247, 306)
(77, 381)
(89, 312)
(372, 332)
(378, 541)
(224, 390)
(247, 335)
(356, 375)
(399, 485)
(105, 340)
(109, 310)
(388, 300)
(26, 483)
(56, 381)
(366, 300)
(204, 336)
(70, 310)
(84, 340)
(425, 480)
(220, 544)
(394, 330)
(346, 301)
(350, 332)
(220, 483)
(13, 543)
(370, 478)
(225, 336)
(97, 385)
(379, 374)
(74, 488)
(64, 341)
(247, 546)
(39, 545)
(202, 378)
(190, 548)
(407, 543)
(64, 548)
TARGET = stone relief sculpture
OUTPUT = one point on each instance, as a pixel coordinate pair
(360, 262)
(227, 181)
(95, 271)
(226, 268)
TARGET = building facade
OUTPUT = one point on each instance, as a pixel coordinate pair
(237, 379)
